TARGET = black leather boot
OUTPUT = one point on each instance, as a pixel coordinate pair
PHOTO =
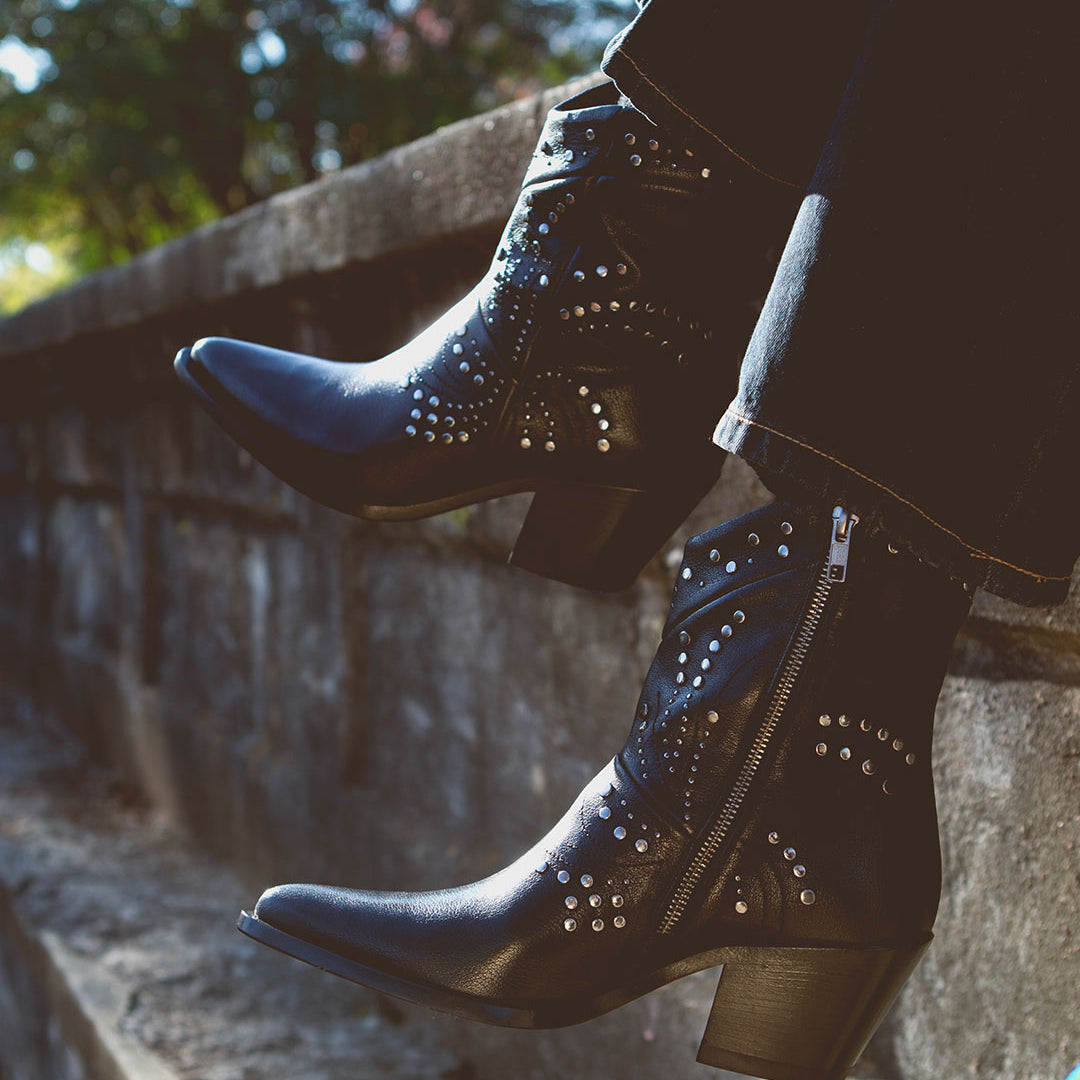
(589, 364)
(772, 811)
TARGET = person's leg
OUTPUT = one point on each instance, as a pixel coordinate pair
(761, 80)
(916, 357)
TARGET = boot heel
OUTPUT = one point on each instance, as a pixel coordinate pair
(802, 1014)
(600, 538)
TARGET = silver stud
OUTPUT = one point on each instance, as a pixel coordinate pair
(684, 638)
(604, 813)
(726, 631)
(898, 744)
(883, 734)
(583, 391)
(594, 306)
(478, 380)
(629, 139)
(594, 900)
(653, 144)
(446, 437)
(458, 348)
(601, 271)
(586, 881)
(774, 838)
(687, 573)
(579, 275)
(543, 228)
(542, 867)
(579, 310)
(590, 135)
(910, 759)
(418, 395)
(564, 313)
(429, 436)
(822, 749)
(844, 721)
(680, 678)
(738, 616)
(785, 527)
(463, 367)
(549, 446)
(569, 924)
(617, 900)
(865, 725)
(603, 425)
(641, 845)
(526, 443)
(620, 268)
(824, 720)
(807, 897)
(563, 877)
(885, 787)
(635, 160)
(543, 282)
(731, 567)
(598, 925)
(789, 853)
(753, 539)
(741, 907)
(845, 754)
(706, 173)
(410, 430)
(619, 833)
(868, 767)
(712, 716)
(619, 922)
(698, 681)
(714, 556)
(596, 408)
(570, 902)
(714, 646)
(782, 551)
(799, 870)
(892, 550)
(463, 436)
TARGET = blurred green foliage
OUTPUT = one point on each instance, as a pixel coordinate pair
(149, 117)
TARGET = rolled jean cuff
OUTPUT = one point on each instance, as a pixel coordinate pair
(816, 474)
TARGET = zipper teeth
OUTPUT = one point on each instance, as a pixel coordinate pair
(792, 666)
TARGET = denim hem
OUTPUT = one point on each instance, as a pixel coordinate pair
(781, 458)
(649, 99)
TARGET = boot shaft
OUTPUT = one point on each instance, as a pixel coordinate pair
(810, 815)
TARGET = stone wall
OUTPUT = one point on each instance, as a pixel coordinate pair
(308, 696)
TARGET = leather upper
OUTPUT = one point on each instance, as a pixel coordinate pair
(599, 346)
(831, 840)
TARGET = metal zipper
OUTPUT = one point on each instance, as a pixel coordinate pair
(833, 571)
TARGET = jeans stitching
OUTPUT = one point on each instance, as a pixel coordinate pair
(697, 123)
(974, 552)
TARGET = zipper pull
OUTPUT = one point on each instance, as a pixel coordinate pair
(841, 540)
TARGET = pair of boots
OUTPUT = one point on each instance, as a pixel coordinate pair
(772, 808)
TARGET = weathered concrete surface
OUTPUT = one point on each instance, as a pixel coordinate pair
(306, 696)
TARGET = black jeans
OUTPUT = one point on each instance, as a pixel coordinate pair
(916, 357)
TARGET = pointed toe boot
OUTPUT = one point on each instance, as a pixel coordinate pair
(588, 365)
(771, 812)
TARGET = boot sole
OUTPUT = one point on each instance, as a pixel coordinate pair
(588, 535)
(779, 1013)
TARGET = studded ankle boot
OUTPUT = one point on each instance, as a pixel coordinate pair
(588, 365)
(771, 811)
